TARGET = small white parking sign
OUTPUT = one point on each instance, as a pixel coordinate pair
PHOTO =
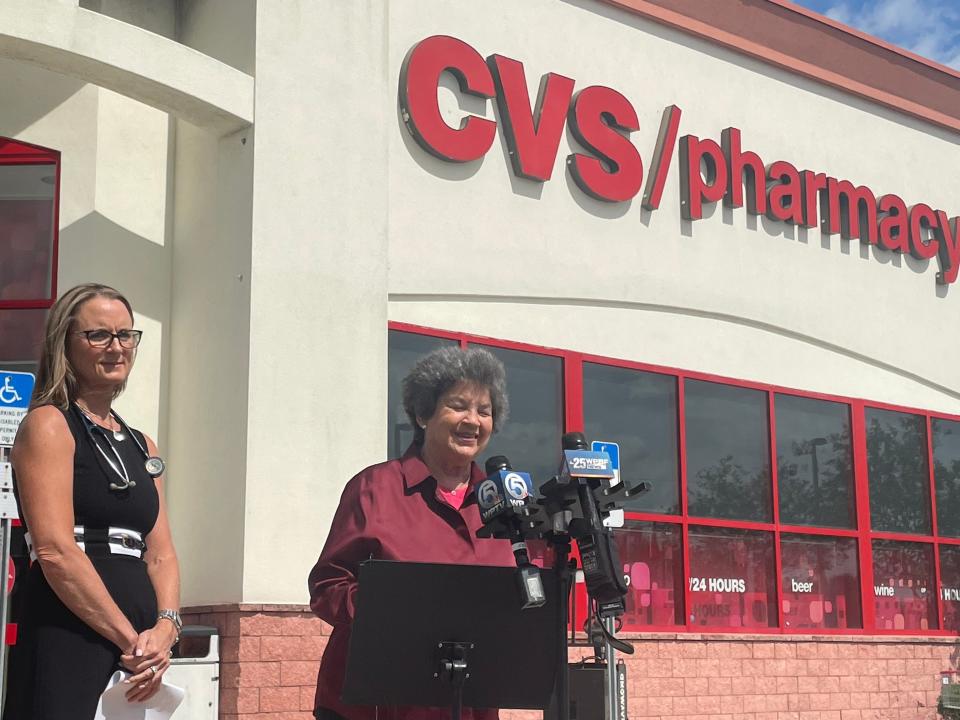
(615, 518)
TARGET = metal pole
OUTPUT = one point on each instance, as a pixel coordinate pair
(7, 514)
(612, 692)
(5, 526)
(562, 687)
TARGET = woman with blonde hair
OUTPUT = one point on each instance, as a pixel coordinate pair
(104, 586)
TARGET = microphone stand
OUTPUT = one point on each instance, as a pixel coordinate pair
(557, 496)
(561, 546)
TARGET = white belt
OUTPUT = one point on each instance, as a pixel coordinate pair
(119, 541)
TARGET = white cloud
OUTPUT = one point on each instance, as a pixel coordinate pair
(925, 27)
(841, 13)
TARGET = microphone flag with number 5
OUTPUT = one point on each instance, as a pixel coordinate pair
(502, 491)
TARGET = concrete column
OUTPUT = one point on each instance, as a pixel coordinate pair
(318, 293)
(207, 422)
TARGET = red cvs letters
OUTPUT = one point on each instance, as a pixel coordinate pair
(611, 170)
(710, 172)
(599, 117)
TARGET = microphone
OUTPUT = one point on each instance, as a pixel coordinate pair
(598, 553)
(504, 493)
(580, 462)
(504, 497)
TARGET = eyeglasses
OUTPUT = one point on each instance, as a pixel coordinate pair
(104, 338)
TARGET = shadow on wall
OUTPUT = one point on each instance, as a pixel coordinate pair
(35, 93)
(96, 249)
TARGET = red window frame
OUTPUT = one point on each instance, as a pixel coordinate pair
(17, 152)
(573, 419)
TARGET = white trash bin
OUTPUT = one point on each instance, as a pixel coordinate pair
(195, 667)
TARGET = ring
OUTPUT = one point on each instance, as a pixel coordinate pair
(153, 669)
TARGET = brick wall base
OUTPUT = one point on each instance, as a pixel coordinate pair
(270, 655)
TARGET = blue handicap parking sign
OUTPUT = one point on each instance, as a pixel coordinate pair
(15, 389)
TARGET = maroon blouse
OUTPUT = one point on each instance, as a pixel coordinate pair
(391, 511)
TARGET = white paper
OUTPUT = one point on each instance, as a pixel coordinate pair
(115, 706)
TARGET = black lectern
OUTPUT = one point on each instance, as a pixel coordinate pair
(450, 635)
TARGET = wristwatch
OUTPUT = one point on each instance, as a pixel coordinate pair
(174, 617)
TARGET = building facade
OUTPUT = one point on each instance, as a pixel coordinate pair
(722, 235)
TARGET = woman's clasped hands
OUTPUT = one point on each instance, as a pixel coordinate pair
(147, 660)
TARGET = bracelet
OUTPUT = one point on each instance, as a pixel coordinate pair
(174, 617)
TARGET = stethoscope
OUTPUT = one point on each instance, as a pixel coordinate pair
(152, 464)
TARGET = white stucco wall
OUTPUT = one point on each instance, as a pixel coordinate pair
(318, 280)
(473, 248)
(264, 263)
(201, 26)
(210, 348)
(125, 168)
(109, 144)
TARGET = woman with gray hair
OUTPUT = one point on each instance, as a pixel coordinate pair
(420, 507)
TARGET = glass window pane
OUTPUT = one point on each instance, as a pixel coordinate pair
(21, 337)
(903, 586)
(638, 411)
(732, 578)
(946, 468)
(950, 586)
(26, 231)
(652, 558)
(897, 467)
(821, 582)
(531, 437)
(403, 350)
(728, 452)
(814, 462)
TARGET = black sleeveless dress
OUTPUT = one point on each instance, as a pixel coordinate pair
(59, 665)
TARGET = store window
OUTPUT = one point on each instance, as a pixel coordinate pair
(904, 588)
(21, 335)
(403, 351)
(898, 472)
(28, 247)
(652, 558)
(721, 558)
(820, 582)
(814, 462)
(27, 196)
(946, 466)
(531, 437)
(638, 411)
(732, 581)
(728, 452)
(950, 586)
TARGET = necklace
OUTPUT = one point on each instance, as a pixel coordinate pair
(121, 471)
(119, 468)
(119, 435)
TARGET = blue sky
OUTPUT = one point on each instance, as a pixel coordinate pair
(930, 28)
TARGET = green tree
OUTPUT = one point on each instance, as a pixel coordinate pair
(897, 470)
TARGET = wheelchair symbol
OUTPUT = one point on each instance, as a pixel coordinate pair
(8, 393)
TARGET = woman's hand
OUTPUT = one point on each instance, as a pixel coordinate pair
(149, 660)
